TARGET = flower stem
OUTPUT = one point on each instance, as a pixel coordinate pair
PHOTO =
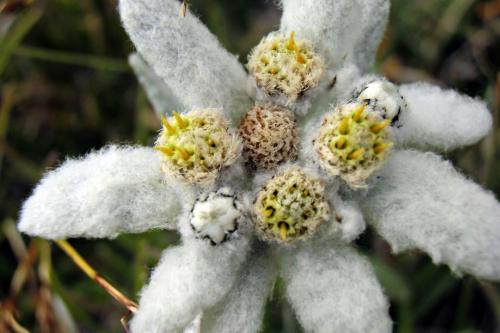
(94, 275)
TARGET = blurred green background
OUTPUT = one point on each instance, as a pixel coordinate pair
(66, 88)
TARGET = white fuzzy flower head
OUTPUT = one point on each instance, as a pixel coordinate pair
(383, 97)
(216, 216)
(284, 65)
(353, 143)
(270, 136)
(195, 146)
(291, 206)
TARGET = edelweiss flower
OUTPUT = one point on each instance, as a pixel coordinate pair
(277, 208)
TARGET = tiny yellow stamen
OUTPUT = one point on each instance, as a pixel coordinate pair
(165, 150)
(183, 152)
(377, 128)
(344, 126)
(340, 144)
(167, 126)
(356, 116)
(300, 59)
(274, 70)
(211, 143)
(380, 147)
(283, 230)
(356, 154)
(291, 45)
(179, 120)
(268, 212)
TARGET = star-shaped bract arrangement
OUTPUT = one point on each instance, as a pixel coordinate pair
(270, 174)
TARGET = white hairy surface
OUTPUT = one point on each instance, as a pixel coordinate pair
(182, 51)
(111, 191)
(421, 202)
(343, 30)
(242, 309)
(188, 280)
(347, 221)
(374, 17)
(160, 95)
(441, 119)
(334, 289)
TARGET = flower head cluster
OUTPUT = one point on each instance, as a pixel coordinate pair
(295, 210)
(291, 206)
(195, 146)
(353, 143)
(283, 65)
(270, 136)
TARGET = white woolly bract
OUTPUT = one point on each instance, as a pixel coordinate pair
(421, 202)
(342, 30)
(182, 51)
(333, 289)
(374, 17)
(160, 95)
(332, 90)
(189, 279)
(108, 192)
(347, 223)
(243, 307)
(441, 119)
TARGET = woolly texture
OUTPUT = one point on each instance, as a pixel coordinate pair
(441, 119)
(375, 17)
(114, 190)
(160, 95)
(333, 289)
(421, 202)
(270, 136)
(281, 64)
(291, 206)
(343, 30)
(347, 223)
(189, 279)
(197, 145)
(242, 309)
(186, 56)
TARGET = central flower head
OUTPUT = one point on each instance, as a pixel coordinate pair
(270, 136)
(353, 142)
(195, 146)
(281, 64)
(290, 207)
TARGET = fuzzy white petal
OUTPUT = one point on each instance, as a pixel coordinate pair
(375, 16)
(108, 192)
(161, 96)
(441, 119)
(343, 30)
(422, 202)
(189, 279)
(348, 222)
(334, 88)
(242, 309)
(334, 289)
(186, 56)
